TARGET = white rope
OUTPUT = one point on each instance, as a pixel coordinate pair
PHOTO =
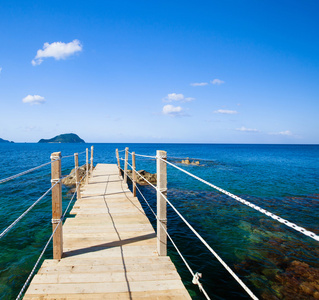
(35, 168)
(37, 262)
(66, 176)
(265, 212)
(67, 156)
(4, 232)
(195, 275)
(26, 172)
(141, 175)
(249, 292)
(148, 156)
(47, 244)
(35, 203)
(121, 150)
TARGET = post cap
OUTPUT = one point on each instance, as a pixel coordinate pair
(56, 155)
(161, 153)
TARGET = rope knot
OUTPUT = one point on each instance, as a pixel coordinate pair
(196, 278)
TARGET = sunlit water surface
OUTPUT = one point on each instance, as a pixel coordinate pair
(273, 260)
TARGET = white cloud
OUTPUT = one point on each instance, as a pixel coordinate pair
(199, 84)
(226, 111)
(217, 81)
(0, 70)
(172, 110)
(188, 99)
(287, 132)
(177, 97)
(58, 50)
(246, 129)
(35, 99)
(174, 97)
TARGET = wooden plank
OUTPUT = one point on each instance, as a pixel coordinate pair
(105, 277)
(71, 261)
(179, 294)
(105, 287)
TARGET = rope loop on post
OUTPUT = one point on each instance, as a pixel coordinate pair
(196, 281)
(56, 221)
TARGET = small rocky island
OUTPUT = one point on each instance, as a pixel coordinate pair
(5, 141)
(64, 138)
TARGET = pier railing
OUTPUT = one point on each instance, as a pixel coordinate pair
(56, 191)
(161, 214)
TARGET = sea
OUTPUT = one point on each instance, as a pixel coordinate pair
(273, 260)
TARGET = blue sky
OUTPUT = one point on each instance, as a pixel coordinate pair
(160, 71)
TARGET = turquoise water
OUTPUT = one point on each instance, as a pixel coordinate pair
(273, 260)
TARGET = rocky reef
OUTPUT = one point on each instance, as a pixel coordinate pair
(70, 181)
(152, 178)
(189, 162)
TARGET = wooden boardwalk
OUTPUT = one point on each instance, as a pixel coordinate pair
(109, 249)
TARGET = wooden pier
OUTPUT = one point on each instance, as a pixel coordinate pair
(109, 249)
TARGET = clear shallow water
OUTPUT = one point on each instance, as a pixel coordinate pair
(275, 262)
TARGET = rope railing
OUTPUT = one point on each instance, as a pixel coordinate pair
(245, 287)
(265, 212)
(147, 156)
(25, 172)
(34, 169)
(245, 202)
(72, 155)
(196, 275)
(47, 244)
(4, 232)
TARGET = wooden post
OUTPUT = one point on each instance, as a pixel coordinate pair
(125, 166)
(118, 161)
(87, 166)
(91, 167)
(77, 177)
(56, 205)
(134, 174)
(161, 202)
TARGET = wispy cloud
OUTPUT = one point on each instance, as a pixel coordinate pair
(173, 111)
(217, 81)
(247, 129)
(177, 97)
(35, 99)
(225, 111)
(199, 83)
(287, 132)
(57, 50)
(0, 70)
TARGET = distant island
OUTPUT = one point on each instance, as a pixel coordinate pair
(64, 138)
(5, 141)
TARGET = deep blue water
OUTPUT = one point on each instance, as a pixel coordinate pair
(273, 260)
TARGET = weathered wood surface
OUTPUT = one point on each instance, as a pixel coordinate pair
(109, 250)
